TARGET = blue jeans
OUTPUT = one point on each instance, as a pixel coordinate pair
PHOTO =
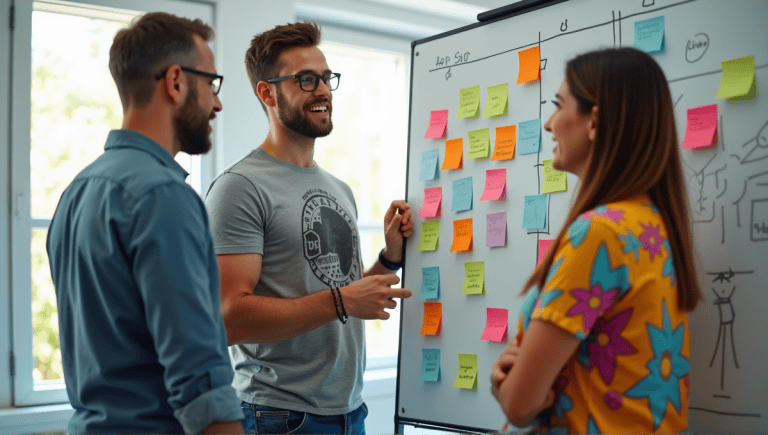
(261, 419)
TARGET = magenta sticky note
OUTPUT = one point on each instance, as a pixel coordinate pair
(543, 246)
(496, 229)
(701, 128)
(495, 185)
(433, 196)
(496, 323)
(438, 121)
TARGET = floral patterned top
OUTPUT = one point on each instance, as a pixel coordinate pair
(612, 285)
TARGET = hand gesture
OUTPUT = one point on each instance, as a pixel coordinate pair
(502, 366)
(398, 225)
(367, 298)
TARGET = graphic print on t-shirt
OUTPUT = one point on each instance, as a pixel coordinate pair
(330, 239)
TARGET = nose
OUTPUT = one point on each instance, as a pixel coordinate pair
(548, 124)
(323, 89)
(217, 107)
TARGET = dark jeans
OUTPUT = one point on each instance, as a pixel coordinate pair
(261, 419)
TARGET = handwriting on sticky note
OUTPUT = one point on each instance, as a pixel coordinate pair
(496, 229)
(738, 80)
(506, 138)
(438, 123)
(701, 128)
(530, 65)
(433, 197)
(428, 170)
(430, 365)
(430, 282)
(544, 245)
(454, 149)
(474, 278)
(479, 144)
(649, 35)
(462, 194)
(433, 315)
(495, 185)
(530, 136)
(469, 102)
(535, 212)
(430, 233)
(496, 324)
(466, 375)
(554, 180)
(498, 97)
(462, 235)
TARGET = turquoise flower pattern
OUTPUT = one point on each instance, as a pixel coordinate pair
(669, 266)
(607, 277)
(631, 244)
(578, 230)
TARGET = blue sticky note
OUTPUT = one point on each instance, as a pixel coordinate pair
(428, 169)
(535, 212)
(430, 365)
(649, 35)
(430, 282)
(462, 194)
(529, 139)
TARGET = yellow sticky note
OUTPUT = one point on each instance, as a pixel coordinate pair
(474, 278)
(479, 144)
(506, 138)
(498, 97)
(466, 375)
(454, 150)
(469, 102)
(462, 235)
(554, 180)
(430, 233)
(433, 315)
(738, 81)
(530, 65)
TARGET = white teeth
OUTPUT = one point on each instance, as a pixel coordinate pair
(318, 109)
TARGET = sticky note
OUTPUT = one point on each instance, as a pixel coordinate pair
(462, 235)
(469, 102)
(479, 144)
(430, 233)
(430, 365)
(430, 282)
(554, 180)
(530, 64)
(496, 229)
(543, 247)
(497, 101)
(738, 81)
(495, 185)
(535, 212)
(433, 196)
(438, 123)
(433, 315)
(454, 149)
(466, 375)
(496, 324)
(462, 194)
(649, 35)
(530, 137)
(701, 128)
(474, 278)
(506, 138)
(428, 170)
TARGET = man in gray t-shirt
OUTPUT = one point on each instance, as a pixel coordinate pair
(293, 291)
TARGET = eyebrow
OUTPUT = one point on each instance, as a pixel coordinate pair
(327, 71)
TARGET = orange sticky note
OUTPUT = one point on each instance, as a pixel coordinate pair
(506, 138)
(701, 129)
(462, 235)
(454, 150)
(433, 196)
(544, 245)
(495, 185)
(530, 64)
(433, 315)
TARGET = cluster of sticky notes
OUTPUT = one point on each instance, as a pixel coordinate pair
(479, 144)
(474, 278)
(454, 150)
(506, 138)
(433, 197)
(496, 321)
(529, 65)
(430, 234)
(438, 124)
(430, 365)
(535, 212)
(649, 35)
(544, 246)
(554, 180)
(495, 185)
(497, 102)
(433, 317)
(462, 235)
(530, 137)
(428, 169)
(738, 80)
(701, 127)
(466, 375)
(462, 194)
(469, 102)
(430, 282)
(496, 229)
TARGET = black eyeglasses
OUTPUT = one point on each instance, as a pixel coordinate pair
(308, 81)
(215, 84)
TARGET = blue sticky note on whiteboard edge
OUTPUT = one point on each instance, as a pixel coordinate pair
(424, 376)
(529, 137)
(655, 44)
(430, 293)
(538, 222)
(462, 202)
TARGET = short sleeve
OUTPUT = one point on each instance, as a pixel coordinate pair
(237, 213)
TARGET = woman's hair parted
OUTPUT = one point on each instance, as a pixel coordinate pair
(635, 152)
(263, 55)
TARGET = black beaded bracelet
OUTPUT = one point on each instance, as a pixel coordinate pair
(343, 311)
(342, 319)
(388, 264)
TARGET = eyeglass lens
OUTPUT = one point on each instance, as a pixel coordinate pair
(309, 81)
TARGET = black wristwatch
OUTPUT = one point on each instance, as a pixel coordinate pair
(388, 264)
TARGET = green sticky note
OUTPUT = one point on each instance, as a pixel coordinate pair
(474, 278)
(479, 144)
(496, 104)
(430, 233)
(469, 102)
(738, 81)
(466, 375)
(430, 365)
(554, 180)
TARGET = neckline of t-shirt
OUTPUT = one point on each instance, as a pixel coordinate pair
(313, 170)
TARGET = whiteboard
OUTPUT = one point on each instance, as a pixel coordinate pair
(727, 185)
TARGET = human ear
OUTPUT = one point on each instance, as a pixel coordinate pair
(174, 84)
(264, 92)
(593, 124)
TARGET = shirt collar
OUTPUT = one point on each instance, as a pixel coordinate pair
(133, 139)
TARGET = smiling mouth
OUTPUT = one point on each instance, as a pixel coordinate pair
(319, 109)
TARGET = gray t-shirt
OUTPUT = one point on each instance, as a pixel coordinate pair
(303, 222)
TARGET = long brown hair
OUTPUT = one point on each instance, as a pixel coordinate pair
(635, 152)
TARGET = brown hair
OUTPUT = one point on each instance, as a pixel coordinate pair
(262, 57)
(635, 152)
(140, 51)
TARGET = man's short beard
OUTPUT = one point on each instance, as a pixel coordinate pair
(296, 121)
(190, 125)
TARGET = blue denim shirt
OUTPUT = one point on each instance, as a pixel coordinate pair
(143, 343)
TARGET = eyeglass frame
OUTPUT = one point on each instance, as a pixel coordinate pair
(198, 72)
(318, 77)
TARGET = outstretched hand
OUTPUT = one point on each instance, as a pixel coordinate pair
(367, 298)
(398, 225)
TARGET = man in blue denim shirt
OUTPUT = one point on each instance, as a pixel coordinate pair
(143, 343)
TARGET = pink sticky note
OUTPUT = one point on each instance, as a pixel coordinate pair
(496, 324)
(543, 247)
(496, 229)
(433, 196)
(438, 122)
(701, 128)
(495, 185)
